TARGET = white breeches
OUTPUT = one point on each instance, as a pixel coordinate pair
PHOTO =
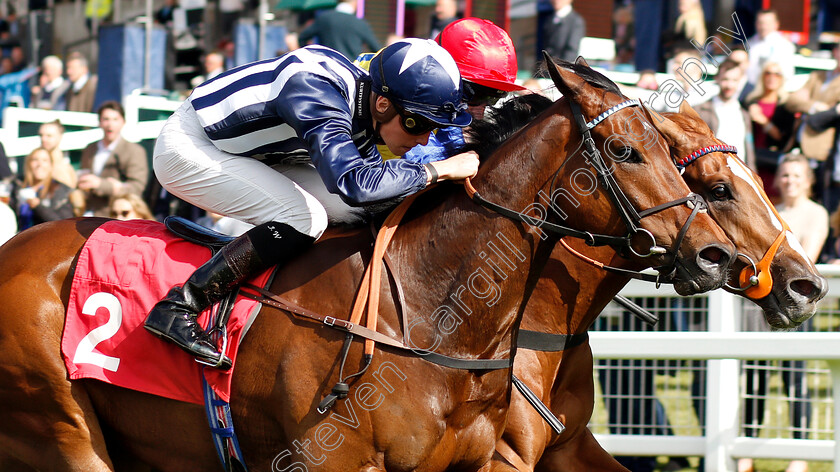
(190, 167)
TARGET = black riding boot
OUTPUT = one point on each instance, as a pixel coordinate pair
(174, 317)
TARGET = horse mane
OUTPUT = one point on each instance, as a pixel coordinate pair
(486, 135)
(591, 76)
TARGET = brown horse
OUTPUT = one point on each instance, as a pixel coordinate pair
(564, 379)
(404, 413)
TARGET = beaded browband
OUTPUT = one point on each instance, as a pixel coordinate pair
(685, 161)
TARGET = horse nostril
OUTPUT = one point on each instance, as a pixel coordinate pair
(806, 288)
(714, 255)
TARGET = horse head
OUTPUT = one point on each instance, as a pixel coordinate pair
(626, 166)
(787, 286)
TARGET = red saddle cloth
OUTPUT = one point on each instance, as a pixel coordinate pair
(123, 270)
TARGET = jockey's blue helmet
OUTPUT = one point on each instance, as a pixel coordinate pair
(421, 77)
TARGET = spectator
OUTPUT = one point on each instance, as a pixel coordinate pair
(647, 80)
(742, 58)
(8, 223)
(809, 222)
(564, 31)
(341, 30)
(50, 94)
(112, 165)
(18, 58)
(691, 24)
(6, 65)
(767, 45)
(807, 219)
(129, 206)
(165, 15)
(446, 11)
(685, 64)
(689, 28)
(820, 93)
(82, 89)
(62, 171)
(214, 64)
(624, 34)
(724, 115)
(40, 197)
(772, 123)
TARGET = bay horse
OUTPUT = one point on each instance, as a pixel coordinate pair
(563, 379)
(421, 417)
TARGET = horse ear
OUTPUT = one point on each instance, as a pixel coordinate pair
(581, 61)
(566, 81)
(669, 130)
(686, 109)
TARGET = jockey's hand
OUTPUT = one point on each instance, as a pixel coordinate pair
(457, 167)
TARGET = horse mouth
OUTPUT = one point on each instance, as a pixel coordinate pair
(789, 305)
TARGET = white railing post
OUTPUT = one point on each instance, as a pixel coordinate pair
(834, 365)
(722, 398)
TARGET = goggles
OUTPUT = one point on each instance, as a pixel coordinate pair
(478, 95)
(413, 123)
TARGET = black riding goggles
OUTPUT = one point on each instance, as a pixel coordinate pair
(477, 95)
(415, 124)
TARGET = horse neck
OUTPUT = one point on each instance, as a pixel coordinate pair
(571, 293)
(464, 268)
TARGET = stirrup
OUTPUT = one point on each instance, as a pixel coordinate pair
(222, 352)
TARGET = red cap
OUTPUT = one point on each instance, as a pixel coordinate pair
(483, 51)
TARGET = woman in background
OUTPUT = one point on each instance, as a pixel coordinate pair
(129, 206)
(40, 197)
(772, 123)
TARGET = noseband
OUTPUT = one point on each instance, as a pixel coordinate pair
(627, 212)
(755, 280)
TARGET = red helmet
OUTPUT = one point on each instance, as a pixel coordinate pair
(483, 51)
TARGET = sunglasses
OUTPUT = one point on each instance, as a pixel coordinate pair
(773, 72)
(478, 95)
(415, 124)
(123, 213)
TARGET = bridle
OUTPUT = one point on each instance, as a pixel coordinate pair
(754, 279)
(629, 215)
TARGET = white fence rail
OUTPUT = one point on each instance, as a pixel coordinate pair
(135, 130)
(723, 346)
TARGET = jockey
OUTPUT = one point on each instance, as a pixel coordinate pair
(289, 145)
(487, 62)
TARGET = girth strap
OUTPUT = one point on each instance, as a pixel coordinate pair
(547, 342)
(273, 300)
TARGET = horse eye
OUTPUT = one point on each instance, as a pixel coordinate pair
(625, 154)
(634, 156)
(720, 192)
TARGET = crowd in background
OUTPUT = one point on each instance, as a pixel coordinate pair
(788, 138)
